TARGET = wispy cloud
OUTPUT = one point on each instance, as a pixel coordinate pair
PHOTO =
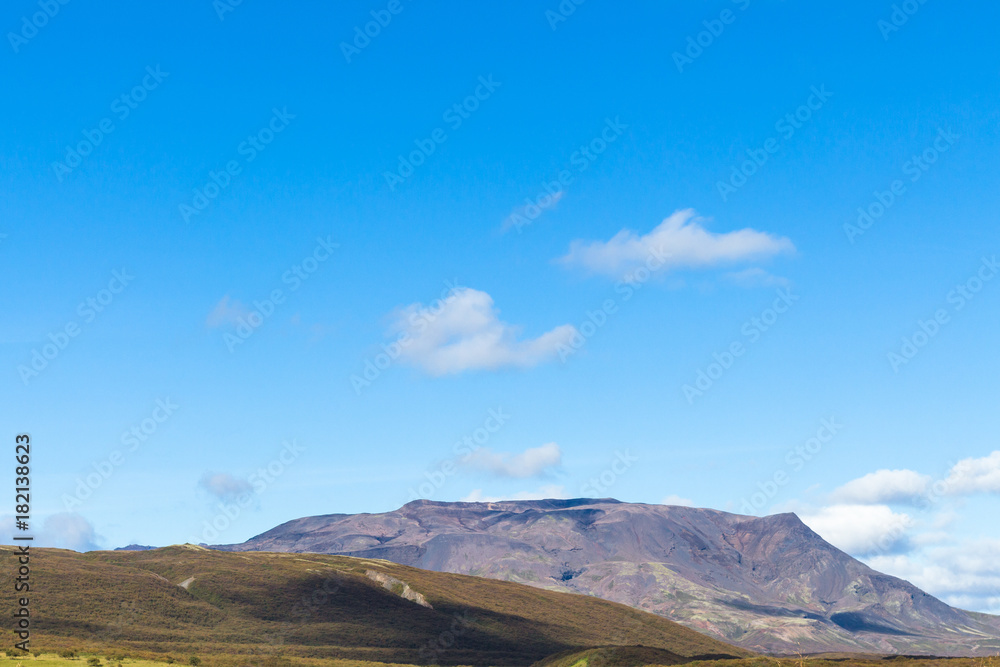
(465, 333)
(541, 493)
(683, 242)
(755, 277)
(529, 463)
(530, 212)
(226, 311)
(225, 486)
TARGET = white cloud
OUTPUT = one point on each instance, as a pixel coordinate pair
(542, 493)
(69, 530)
(965, 575)
(973, 475)
(225, 486)
(529, 463)
(860, 529)
(929, 552)
(464, 332)
(987, 604)
(680, 241)
(884, 486)
(66, 530)
(226, 312)
(673, 499)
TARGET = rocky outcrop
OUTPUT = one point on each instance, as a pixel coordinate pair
(399, 587)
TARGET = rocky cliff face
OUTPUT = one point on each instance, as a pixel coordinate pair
(767, 583)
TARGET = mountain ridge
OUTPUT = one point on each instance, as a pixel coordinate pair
(763, 583)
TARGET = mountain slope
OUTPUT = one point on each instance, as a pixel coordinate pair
(767, 583)
(188, 599)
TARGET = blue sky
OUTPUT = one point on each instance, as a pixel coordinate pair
(506, 251)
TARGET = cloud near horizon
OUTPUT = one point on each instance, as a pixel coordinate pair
(464, 332)
(965, 575)
(64, 530)
(681, 241)
(928, 549)
(542, 493)
(529, 463)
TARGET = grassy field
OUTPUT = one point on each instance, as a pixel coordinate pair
(630, 657)
(205, 660)
(267, 609)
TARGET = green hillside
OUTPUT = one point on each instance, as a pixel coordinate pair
(277, 606)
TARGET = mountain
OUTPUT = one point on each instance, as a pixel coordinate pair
(268, 609)
(134, 547)
(766, 584)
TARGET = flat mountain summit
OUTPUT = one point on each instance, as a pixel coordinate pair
(762, 583)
